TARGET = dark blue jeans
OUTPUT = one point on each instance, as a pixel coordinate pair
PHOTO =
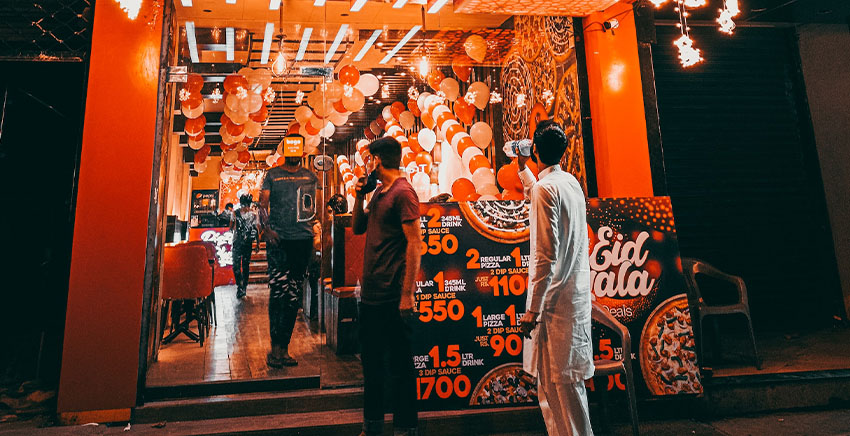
(287, 265)
(385, 337)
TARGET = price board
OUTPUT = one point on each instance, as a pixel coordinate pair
(470, 295)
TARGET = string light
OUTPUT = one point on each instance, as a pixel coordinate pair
(495, 97)
(184, 94)
(688, 55)
(729, 11)
(520, 100)
(385, 91)
(268, 97)
(413, 93)
(299, 96)
(548, 96)
(424, 67)
(470, 97)
(131, 7)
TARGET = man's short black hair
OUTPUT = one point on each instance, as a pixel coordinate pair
(551, 142)
(228, 206)
(388, 149)
(246, 199)
(292, 160)
(338, 204)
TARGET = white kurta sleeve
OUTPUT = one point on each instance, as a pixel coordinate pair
(545, 213)
(528, 180)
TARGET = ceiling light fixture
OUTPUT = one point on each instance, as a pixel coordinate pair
(356, 5)
(368, 45)
(401, 44)
(186, 3)
(399, 3)
(190, 38)
(279, 64)
(230, 2)
(319, 3)
(267, 43)
(339, 35)
(434, 6)
(228, 36)
(274, 5)
(305, 41)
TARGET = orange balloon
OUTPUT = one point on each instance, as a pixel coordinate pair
(453, 130)
(424, 161)
(310, 129)
(462, 188)
(280, 161)
(397, 108)
(339, 107)
(247, 140)
(244, 157)
(235, 129)
(348, 75)
(359, 172)
(413, 142)
(413, 108)
(428, 121)
(382, 123)
(434, 79)
(477, 162)
(462, 67)
(194, 83)
(463, 144)
(533, 167)
(260, 116)
(234, 82)
(293, 129)
(443, 117)
(367, 132)
(205, 150)
(512, 195)
(508, 177)
(407, 159)
(465, 112)
(225, 120)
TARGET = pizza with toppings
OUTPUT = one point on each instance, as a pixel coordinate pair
(504, 384)
(500, 220)
(668, 356)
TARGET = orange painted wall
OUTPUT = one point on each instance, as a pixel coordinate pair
(104, 316)
(616, 105)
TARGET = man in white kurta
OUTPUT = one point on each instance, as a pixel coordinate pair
(558, 311)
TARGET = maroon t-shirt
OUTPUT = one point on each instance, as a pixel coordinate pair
(384, 254)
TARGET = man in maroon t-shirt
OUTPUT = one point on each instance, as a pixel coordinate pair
(390, 266)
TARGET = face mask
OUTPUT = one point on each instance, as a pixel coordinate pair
(371, 182)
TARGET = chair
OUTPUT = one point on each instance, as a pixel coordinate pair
(185, 279)
(605, 367)
(692, 267)
(212, 257)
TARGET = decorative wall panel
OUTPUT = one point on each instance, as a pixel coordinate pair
(576, 8)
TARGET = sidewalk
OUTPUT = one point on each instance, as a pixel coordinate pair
(820, 423)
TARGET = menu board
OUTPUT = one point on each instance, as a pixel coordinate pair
(470, 296)
(471, 292)
(204, 201)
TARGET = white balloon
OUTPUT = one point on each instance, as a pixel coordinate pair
(271, 159)
(230, 156)
(253, 129)
(358, 159)
(362, 143)
(387, 113)
(303, 114)
(481, 134)
(196, 145)
(435, 190)
(468, 155)
(439, 110)
(427, 139)
(327, 131)
(422, 185)
(368, 84)
(420, 102)
(193, 112)
(394, 129)
(406, 119)
(450, 169)
(485, 181)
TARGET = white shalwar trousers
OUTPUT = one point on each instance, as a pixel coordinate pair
(564, 405)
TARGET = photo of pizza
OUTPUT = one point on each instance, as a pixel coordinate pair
(504, 384)
(504, 221)
(667, 355)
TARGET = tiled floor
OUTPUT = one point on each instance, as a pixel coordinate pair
(237, 347)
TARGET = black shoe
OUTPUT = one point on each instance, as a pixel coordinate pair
(240, 294)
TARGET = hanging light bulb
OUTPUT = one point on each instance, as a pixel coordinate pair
(688, 55)
(279, 64)
(424, 67)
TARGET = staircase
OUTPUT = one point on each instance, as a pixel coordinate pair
(259, 266)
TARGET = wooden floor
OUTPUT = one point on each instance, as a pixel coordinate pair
(237, 348)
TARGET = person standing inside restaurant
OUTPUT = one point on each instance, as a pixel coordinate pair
(558, 311)
(390, 266)
(226, 215)
(287, 209)
(245, 228)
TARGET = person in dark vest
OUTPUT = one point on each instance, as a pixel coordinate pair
(390, 266)
(245, 227)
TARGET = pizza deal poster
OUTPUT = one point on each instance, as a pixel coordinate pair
(471, 292)
(636, 273)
